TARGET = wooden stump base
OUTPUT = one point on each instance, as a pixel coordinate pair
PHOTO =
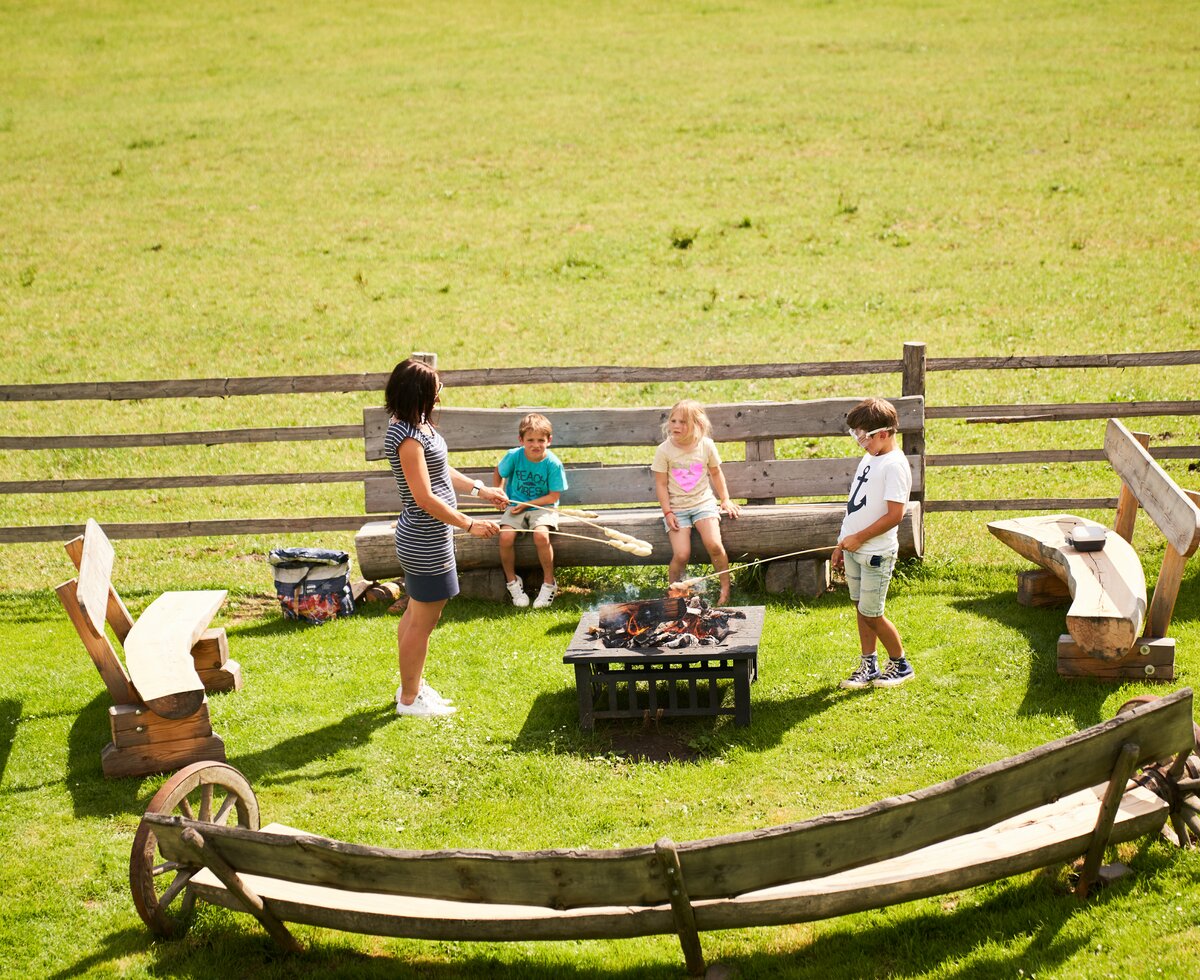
(144, 760)
(807, 577)
(1149, 660)
(1038, 587)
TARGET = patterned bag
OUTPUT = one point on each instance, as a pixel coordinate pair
(313, 584)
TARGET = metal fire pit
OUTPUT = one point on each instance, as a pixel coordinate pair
(657, 682)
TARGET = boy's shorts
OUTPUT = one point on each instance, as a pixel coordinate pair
(868, 577)
(689, 518)
(529, 518)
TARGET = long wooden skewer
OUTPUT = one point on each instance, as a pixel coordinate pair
(641, 549)
(687, 583)
(584, 517)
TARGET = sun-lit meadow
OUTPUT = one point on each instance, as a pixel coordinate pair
(229, 190)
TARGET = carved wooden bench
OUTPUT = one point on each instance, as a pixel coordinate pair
(159, 717)
(1107, 588)
(765, 529)
(201, 839)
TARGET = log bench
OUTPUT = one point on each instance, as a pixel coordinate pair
(201, 839)
(766, 528)
(159, 718)
(1107, 588)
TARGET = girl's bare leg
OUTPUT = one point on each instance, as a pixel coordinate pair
(681, 553)
(710, 534)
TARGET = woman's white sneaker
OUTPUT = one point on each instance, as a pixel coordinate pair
(424, 706)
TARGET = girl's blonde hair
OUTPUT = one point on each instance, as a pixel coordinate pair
(699, 427)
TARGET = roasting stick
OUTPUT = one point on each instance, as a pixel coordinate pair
(687, 583)
(641, 549)
(585, 517)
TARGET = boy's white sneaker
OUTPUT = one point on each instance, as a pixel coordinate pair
(516, 589)
(545, 596)
(424, 706)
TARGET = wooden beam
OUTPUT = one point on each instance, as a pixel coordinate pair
(681, 906)
(214, 437)
(1127, 502)
(1163, 500)
(1123, 768)
(208, 856)
(112, 671)
(158, 650)
(1065, 361)
(188, 529)
(95, 576)
(1059, 411)
(467, 429)
(117, 615)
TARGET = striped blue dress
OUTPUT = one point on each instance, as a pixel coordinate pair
(424, 544)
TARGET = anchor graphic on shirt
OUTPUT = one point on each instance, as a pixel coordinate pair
(851, 506)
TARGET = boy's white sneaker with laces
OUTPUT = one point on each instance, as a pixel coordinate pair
(424, 706)
(516, 589)
(545, 596)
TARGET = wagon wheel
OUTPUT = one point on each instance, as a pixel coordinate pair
(212, 792)
(1186, 821)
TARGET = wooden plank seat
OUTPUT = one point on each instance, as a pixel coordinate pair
(159, 718)
(1060, 801)
(1111, 630)
(1107, 587)
(767, 528)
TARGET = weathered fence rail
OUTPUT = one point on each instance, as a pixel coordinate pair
(913, 367)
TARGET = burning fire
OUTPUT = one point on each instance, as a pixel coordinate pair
(672, 622)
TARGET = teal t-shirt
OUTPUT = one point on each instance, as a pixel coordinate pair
(525, 480)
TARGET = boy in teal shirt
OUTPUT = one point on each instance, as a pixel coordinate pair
(530, 474)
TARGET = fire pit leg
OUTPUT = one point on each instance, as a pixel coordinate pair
(583, 690)
(741, 692)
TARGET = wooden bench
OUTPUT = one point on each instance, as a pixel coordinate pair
(1107, 588)
(159, 717)
(765, 529)
(1056, 803)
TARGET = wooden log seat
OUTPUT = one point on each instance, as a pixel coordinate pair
(159, 718)
(1111, 630)
(775, 521)
(1059, 802)
(1107, 587)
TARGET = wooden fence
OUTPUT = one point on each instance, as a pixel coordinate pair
(913, 367)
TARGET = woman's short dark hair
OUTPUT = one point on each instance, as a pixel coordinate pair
(411, 391)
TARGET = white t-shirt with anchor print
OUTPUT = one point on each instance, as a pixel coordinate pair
(877, 480)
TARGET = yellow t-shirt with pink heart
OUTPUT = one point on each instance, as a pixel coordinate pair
(687, 469)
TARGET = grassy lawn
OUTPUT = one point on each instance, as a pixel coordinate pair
(234, 190)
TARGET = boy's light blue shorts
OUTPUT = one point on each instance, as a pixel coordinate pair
(868, 577)
(689, 518)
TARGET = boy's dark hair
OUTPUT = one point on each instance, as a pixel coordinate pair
(873, 413)
(411, 391)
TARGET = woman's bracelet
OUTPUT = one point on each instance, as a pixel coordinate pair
(470, 524)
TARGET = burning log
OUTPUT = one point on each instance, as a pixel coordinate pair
(673, 623)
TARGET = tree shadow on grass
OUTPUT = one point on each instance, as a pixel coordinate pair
(1045, 693)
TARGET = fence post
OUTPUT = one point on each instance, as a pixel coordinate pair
(914, 384)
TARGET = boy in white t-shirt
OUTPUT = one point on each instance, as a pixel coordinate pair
(868, 541)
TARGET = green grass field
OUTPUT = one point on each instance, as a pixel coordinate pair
(277, 189)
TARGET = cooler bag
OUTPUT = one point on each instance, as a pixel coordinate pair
(313, 584)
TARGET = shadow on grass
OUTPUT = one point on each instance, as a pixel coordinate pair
(10, 714)
(553, 724)
(1046, 692)
(1019, 927)
(92, 795)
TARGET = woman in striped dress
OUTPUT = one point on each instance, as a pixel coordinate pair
(425, 527)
